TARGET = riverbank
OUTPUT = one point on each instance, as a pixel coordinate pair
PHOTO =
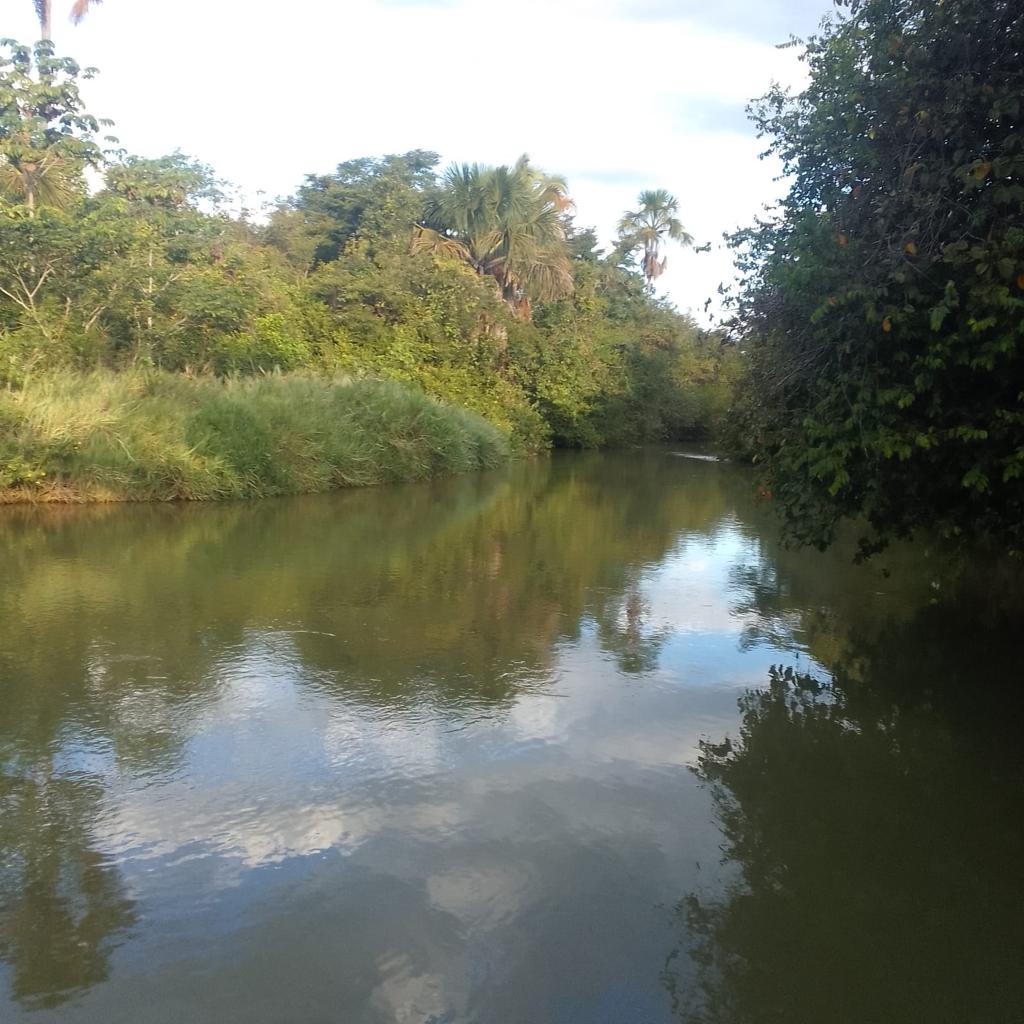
(158, 436)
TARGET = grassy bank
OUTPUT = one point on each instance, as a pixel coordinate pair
(154, 436)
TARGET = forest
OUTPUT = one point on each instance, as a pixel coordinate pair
(869, 366)
(471, 285)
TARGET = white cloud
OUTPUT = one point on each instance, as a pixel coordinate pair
(267, 95)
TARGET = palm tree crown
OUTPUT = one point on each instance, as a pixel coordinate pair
(648, 226)
(506, 223)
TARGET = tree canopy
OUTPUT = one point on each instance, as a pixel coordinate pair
(882, 311)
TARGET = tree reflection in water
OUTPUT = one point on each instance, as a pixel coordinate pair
(63, 906)
(879, 852)
(874, 820)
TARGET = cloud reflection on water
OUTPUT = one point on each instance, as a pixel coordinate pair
(404, 747)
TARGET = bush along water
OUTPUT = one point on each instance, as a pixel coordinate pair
(158, 436)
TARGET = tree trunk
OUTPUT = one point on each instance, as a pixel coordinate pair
(44, 10)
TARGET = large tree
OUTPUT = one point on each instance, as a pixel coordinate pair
(372, 201)
(883, 307)
(649, 226)
(47, 138)
(506, 223)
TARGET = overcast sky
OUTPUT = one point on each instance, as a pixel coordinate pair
(616, 95)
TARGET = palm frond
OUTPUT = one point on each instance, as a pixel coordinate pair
(52, 185)
(426, 239)
(507, 222)
(81, 9)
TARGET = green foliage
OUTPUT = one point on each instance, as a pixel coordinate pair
(474, 287)
(615, 366)
(161, 436)
(372, 200)
(46, 137)
(15, 472)
(883, 308)
(169, 182)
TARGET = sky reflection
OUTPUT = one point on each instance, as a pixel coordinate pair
(422, 754)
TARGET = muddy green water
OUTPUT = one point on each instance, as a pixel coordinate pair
(574, 742)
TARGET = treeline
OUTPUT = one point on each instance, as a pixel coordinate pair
(474, 284)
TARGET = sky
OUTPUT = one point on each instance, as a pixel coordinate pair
(615, 95)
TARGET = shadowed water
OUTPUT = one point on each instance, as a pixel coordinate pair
(457, 753)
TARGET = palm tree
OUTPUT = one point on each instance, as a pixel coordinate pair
(38, 179)
(506, 223)
(49, 139)
(649, 226)
(44, 14)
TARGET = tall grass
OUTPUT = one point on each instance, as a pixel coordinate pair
(154, 436)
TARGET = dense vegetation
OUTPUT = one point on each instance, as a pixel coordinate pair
(162, 436)
(883, 309)
(879, 323)
(473, 286)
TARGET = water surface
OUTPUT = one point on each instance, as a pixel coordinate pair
(573, 742)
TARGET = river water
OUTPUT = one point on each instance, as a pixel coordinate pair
(578, 741)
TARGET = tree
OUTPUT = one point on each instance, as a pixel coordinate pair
(501, 307)
(506, 223)
(647, 228)
(374, 200)
(180, 279)
(882, 305)
(170, 182)
(44, 12)
(47, 138)
(46, 266)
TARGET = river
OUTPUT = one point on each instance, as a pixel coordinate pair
(575, 742)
